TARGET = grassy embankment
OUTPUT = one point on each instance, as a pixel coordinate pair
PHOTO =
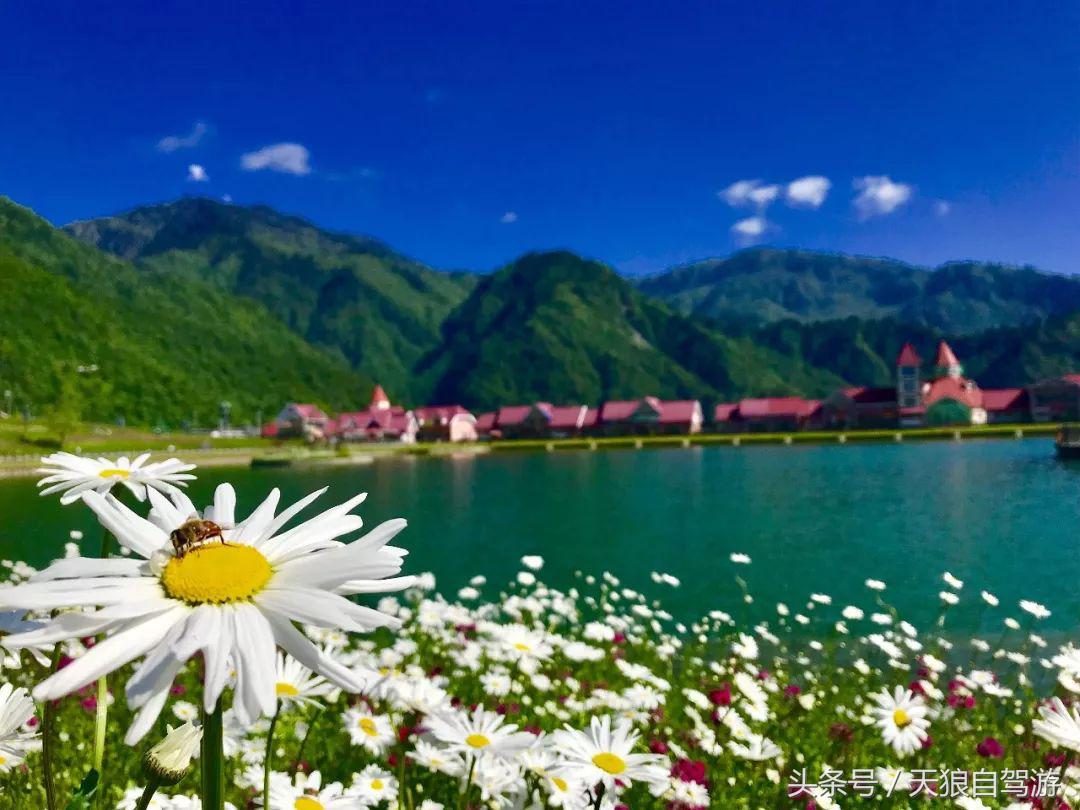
(22, 445)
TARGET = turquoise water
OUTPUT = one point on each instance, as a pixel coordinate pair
(1001, 515)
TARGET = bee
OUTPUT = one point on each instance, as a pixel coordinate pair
(194, 533)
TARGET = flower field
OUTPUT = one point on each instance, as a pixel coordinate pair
(287, 657)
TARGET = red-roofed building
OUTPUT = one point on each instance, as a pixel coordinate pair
(541, 420)
(1006, 404)
(485, 425)
(650, 415)
(950, 398)
(393, 424)
(862, 407)
(767, 414)
(381, 422)
(1056, 399)
(447, 423)
(301, 420)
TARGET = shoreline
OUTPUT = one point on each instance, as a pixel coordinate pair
(262, 455)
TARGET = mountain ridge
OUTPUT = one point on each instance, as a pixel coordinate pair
(549, 325)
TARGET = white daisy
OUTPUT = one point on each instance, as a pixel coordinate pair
(374, 785)
(902, 719)
(235, 601)
(16, 709)
(73, 475)
(479, 734)
(372, 731)
(437, 759)
(296, 684)
(306, 792)
(1059, 725)
(605, 755)
(1034, 608)
(756, 749)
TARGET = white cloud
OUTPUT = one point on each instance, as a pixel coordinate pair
(509, 218)
(763, 196)
(290, 158)
(197, 174)
(942, 208)
(170, 143)
(879, 195)
(749, 229)
(748, 192)
(809, 191)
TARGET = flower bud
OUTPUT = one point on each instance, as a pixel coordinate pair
(168, 761)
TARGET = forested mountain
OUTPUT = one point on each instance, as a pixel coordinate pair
(764, 285)
(558, 327)
(353, 295)
(166, 346)
(186, 304)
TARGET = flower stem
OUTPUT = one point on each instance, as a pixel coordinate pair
(48, 737)
(303, 743)
(267, 764)
(212, 761)
(148, 794)
(101, 708)
(463, 802)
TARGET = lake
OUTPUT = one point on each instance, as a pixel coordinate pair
(1001, 515)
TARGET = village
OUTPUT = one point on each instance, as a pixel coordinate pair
(944, 397)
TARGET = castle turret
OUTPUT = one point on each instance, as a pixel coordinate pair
(908, 364)
(379, 400)
(947, 365)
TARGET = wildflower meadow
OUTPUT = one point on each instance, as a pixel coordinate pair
(254, 654)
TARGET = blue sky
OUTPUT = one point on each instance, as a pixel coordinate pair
(464, 133)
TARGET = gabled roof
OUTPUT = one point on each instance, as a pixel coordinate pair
(308, 411)
(510, 415)
(385, 420)
(566, 416)
(957, 388)
(777, 406)
(677, 411)
(485, 422)
(619, 409)
(1004, 399)
(908, 357)
(724, 411)
(591, 417)
(945, 356)
(439, 414)
(868, 395)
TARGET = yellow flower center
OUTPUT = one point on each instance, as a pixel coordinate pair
(376, 784)
(900, 717)
(113, 472)
(216, 573)
(307, 803)
(609, 763)
(522, 647)
(286, 690)
(560, 783)
(477, 741)
(367, 725)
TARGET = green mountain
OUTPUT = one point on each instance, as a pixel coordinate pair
(553, 326)
(865, 351)
(764, 285)
(352, 295)
(167, 346)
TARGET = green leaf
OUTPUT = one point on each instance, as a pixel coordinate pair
(80, 800)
